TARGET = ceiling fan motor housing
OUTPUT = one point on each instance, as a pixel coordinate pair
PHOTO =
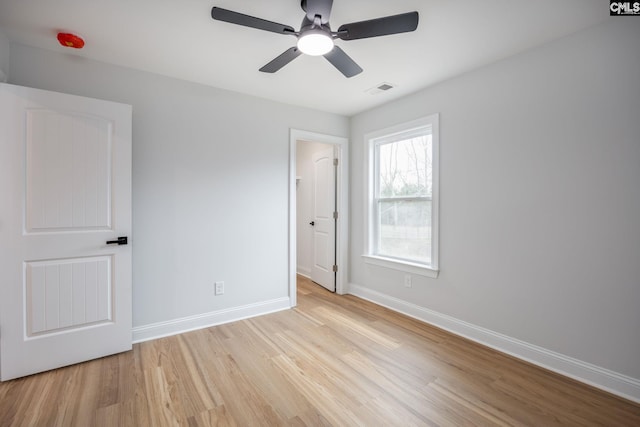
(320, 8)
(308, 24)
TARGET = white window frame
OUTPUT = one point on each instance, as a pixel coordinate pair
(372, 140)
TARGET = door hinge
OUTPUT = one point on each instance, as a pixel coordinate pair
(335, 268)
(335, 162)
(335, 215)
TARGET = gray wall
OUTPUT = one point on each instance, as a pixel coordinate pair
(210, 182)
(4, 56)
(540, 197)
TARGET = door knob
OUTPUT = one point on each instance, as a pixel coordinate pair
(312, 223)
(120, 241)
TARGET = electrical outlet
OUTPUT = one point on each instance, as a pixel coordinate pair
(407, 280)
(219, 289)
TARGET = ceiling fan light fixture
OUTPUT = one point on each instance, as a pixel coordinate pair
(315, 42)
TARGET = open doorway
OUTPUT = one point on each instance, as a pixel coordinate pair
(318, 214)
(316, 172)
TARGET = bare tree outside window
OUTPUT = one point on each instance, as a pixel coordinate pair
(403, 197)
(404, 192)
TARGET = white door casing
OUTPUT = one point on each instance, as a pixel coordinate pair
(342, 236)
(65, 190)
(324, 205)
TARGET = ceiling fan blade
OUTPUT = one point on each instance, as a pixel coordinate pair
(395, 24)
(282, 60)
(225, 15)
(317, 7)
(343, 62)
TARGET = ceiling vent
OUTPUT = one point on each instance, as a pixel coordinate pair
(382, 87)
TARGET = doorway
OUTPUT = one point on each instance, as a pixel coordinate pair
(316, 182)
(311, 221)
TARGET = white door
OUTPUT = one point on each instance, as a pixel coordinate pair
(65, 190)
(324, 205)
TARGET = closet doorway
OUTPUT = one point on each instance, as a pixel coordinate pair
(316, 207)
(318, 215)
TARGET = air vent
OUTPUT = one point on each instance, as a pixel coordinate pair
(382, 87)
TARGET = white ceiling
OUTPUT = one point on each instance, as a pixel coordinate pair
(178, 38)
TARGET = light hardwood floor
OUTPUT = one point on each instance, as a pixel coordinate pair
(333, 360)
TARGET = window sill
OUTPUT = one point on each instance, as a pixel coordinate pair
(405, 266)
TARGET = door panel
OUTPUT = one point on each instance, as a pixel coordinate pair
(65, 189)
(68, 165)
(323, 246)
(68, 293)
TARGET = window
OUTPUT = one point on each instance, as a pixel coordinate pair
(403, 197)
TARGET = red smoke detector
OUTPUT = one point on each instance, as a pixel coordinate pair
(70, 40)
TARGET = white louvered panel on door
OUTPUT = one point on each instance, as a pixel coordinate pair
(67, 294)
(68, 166)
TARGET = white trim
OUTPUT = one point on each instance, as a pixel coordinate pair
(205, 320)
(391, 131)
(342, 237)
(401, 265)
(435, 194)
(390, 134)
(304, 271)
(610, 381)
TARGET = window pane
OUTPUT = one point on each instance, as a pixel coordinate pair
(405, 229)
(405, 168)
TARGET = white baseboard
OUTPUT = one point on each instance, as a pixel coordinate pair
(610, 381)
(306, 272)
(205, 320)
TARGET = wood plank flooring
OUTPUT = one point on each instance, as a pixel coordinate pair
(332, 361)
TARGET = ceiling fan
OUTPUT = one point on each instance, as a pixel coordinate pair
(315, 36)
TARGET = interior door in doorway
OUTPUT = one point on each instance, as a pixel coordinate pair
(65, 194)
(324, 224)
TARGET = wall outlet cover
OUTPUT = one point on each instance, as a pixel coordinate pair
(219, 288)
